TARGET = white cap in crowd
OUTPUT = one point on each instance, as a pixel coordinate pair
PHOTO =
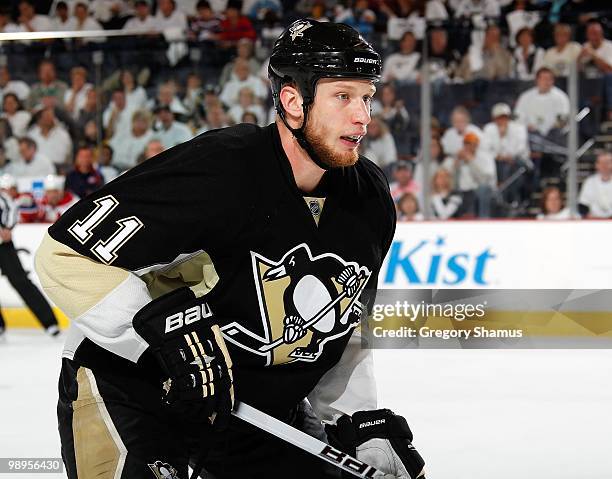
(54, 182)
(501, 109)
(7, 181)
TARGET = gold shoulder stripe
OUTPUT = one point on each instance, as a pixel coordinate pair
(74, 282)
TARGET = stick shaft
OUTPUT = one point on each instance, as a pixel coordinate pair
(305, 442)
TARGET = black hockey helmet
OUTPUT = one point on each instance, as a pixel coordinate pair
(308, 51)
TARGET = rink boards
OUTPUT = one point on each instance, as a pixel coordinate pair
(440, 255)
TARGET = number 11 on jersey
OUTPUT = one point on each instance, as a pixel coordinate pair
(105, 251)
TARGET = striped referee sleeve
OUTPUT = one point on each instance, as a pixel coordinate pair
(9, 212)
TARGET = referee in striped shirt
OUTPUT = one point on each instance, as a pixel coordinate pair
(11, 267)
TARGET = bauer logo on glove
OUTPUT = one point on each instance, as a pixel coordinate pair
(190, 315)
(192, 355)
(381, 439)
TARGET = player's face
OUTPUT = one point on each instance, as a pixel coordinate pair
(338, 119)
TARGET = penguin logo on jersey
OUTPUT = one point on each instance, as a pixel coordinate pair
(305, 301)
(161, 470)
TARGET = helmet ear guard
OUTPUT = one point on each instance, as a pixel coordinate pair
(308, 51)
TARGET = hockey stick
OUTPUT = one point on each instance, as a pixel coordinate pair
(305, 442)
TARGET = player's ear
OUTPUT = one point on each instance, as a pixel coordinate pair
(291, 100)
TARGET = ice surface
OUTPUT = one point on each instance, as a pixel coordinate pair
(475, 414)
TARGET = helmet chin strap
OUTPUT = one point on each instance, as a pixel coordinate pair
(300, 136)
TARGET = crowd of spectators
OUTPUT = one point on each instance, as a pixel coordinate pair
(192, 66)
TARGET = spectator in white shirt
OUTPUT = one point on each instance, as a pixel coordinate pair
(473, 167)
(596, 56)
(445, 203)
(247, 103)
(117, 117)
(508, 143)
(6, 25)
(169, 131)
(76, 96)
(166, 95)
(153, 148)
(379, 145)
(128, 146)
(444, 60)
(452, 140)
(142, 22)
(13, 111)
(404, 65)
(559, 57)
(108, 11)
(544, 106)
(172, 22)
(487, 59)
(595, 199)
(61, 20)
(520, 18)
(551, 205)
(471, 8)
(18, 87)
(527, 58)
(30, 163)
(135, 95)
(52, 139)
(404, 16)
(170, 17)
(83, 22)
(392, 110)
(30, 21)
(215, 118)
(597, 51)
(245, 48)
(507, 139)
(244, 78)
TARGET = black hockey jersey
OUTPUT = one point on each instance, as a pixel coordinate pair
(222, 214)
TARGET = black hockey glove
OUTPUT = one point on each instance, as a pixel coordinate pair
(380, 439)
(192, 354)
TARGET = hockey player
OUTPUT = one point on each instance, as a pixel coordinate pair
(11, 267)
(56, 200)
(232, 266)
